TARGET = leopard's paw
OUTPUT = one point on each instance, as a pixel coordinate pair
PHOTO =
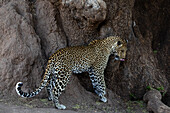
(103, 99)
(60, 106)
(50, 98)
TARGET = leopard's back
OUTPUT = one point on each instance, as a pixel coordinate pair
(76, 59)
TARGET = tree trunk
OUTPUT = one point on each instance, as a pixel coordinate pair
(32, 30)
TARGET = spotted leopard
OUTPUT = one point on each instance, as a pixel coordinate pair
(92, 58)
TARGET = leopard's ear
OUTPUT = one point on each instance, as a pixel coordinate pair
(119, 43)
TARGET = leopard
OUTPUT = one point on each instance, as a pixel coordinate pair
(91, 58)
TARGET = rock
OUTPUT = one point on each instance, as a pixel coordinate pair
(153, 100)
(48, 28)
(20, 49)
(89, 12)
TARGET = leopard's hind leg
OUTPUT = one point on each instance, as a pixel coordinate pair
(59, 83)
(49, 90)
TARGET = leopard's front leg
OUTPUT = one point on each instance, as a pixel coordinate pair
(97, 78)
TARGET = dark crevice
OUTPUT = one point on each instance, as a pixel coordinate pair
(84, 80)
(33, 12)
(32, 5)
(59, 23)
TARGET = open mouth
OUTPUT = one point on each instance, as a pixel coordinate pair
(122, 59)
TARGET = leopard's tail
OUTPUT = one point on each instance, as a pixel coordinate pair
(32, 94)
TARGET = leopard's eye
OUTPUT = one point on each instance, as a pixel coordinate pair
(122, 50)
(118, 43)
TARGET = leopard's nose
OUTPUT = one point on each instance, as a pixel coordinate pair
(116, 57)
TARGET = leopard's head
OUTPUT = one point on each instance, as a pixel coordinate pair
(113, 44)
(120, 51)
(117, 45)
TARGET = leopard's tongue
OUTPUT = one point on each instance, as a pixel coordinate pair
(122, 59)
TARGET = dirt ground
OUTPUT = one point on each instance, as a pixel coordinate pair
(34, 105)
